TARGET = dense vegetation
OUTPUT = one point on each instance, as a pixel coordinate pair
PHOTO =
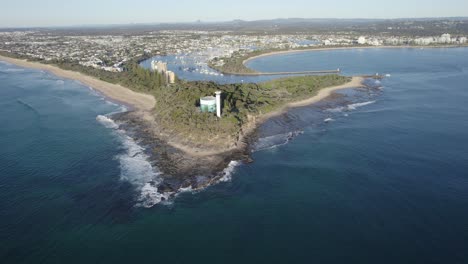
(177, 106)
(133, 76)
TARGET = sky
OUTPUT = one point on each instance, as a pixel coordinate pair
(40, 13)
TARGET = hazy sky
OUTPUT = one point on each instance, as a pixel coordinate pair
(19, 13)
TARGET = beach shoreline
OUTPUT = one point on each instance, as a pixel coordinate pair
(181, 164)
(114, 92)
(143, 103)
(344, 48)
(256, 120)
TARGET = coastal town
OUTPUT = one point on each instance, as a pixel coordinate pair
(201, 125)
(109, 52)
(301, 131)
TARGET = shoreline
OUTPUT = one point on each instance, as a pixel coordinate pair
(343, 48)
(183, 166)
(144, 103)
(112, 91)
(356, 82)
(257, 120)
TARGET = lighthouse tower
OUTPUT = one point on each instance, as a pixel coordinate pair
(218, 103)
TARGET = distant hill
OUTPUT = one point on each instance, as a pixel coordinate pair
(400, 26)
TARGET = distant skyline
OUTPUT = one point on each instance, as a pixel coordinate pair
(47, 13)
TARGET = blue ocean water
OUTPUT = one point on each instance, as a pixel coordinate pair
(375, 175)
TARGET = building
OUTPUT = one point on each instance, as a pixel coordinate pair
(211, 104)
(170, 77)
(424, 41)
(374, 42)
(159, 66)
(208, 104)
(362, 40)
(445, 38)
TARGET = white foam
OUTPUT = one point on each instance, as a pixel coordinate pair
(355, 106)
(149, 196)
(107, 122)
(388, 75)
(109, 102)
(136, 169)
(228, 171)
(336, 109)
(329, 120)
(187, 189)
(349, 107)
(274, 141)
(123, 108)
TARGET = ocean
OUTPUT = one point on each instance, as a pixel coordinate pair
(371, 175)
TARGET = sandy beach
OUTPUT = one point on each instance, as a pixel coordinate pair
(113, 91)
(256, 121)
(343, 48)
(180, 162)
(144, 102)
(356, 82)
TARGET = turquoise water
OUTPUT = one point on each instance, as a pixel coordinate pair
(375, 175)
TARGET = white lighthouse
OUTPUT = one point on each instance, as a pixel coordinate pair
(218, 103)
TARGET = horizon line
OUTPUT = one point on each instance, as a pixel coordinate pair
(214, 22)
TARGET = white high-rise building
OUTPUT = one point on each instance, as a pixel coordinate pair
(362, 40)
(445, 38)
(170, 77)
(159, 66)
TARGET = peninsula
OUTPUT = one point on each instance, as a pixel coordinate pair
(191, 143)
(191, 147)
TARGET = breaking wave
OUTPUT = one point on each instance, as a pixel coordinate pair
(355, 106)
(228, 171)
(107, 122)
(136, 168)
(349, 107)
